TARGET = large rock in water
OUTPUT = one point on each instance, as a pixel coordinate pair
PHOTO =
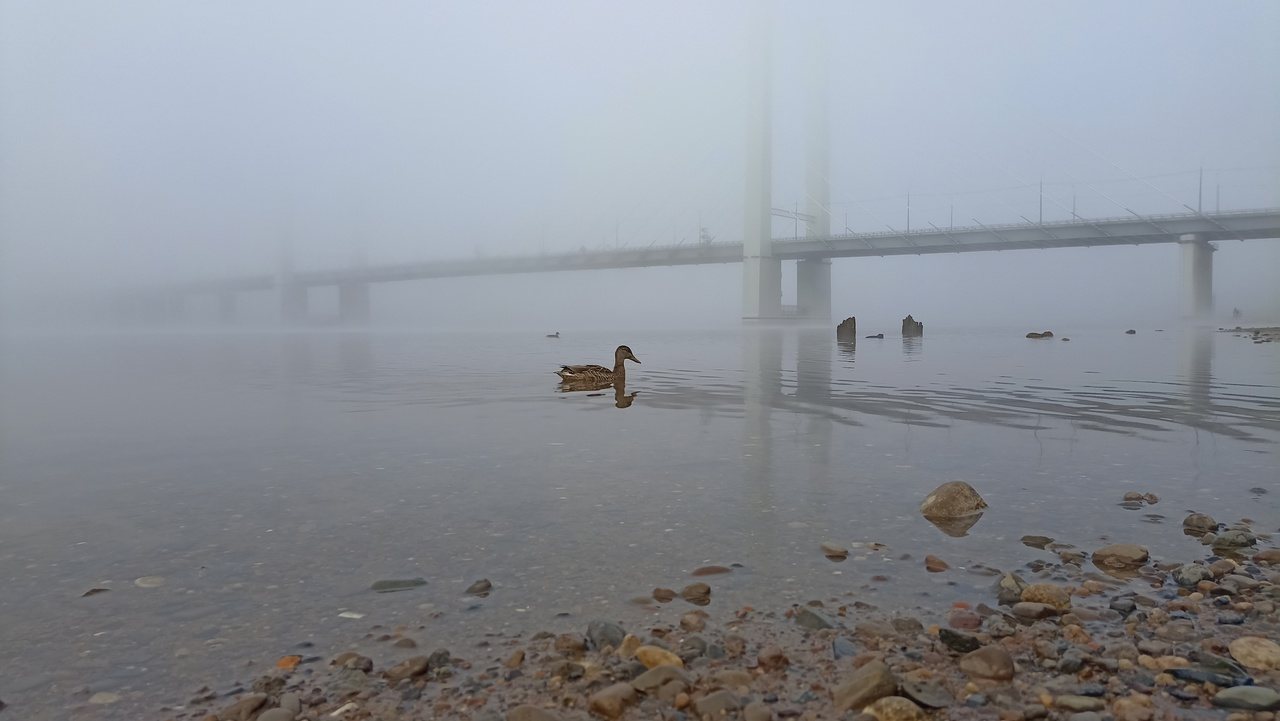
(848, 329)
(912, 328)
(1120, 556)
(956, 499)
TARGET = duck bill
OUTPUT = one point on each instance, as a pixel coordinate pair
(636, 359)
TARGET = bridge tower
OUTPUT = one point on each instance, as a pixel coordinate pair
(293, 295)
(813, 277)
(1197, 275)
(761, 270)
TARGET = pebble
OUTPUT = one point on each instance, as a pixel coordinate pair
(834, 551)
(757, 711)
(933, 564)
(527, 712)
(1079, 703)
(958, 642)
(663, 595)
(711, 570)
(1256, 653)
(105, 697)
(611, 701)
(149, 582)
(716, 704)
(952, 500)
(480, 588)
(658, 676)
(990, 662)
(604, 633)
(408, 668)
(652, 656)
(869, 683)
(1191, 574)
(894, 708)
(1249, 698)
(1120, 556)
(808, 618)
(699, 594)
(397, 584)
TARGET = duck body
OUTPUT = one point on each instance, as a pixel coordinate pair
(554, 335)
(596, 374)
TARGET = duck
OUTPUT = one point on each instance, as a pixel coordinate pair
(554, 335)
(599, 374)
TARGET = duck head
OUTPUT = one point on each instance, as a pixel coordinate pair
(623, 353)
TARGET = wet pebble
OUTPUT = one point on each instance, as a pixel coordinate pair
(808, 618)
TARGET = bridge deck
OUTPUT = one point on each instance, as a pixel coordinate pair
(1241, 225)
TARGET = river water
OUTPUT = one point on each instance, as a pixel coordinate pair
(269, 479)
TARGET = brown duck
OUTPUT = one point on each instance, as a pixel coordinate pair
(594, 374)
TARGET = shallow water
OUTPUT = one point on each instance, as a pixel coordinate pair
(270, 479)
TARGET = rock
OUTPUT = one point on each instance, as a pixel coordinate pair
(1131, 332)
(1256, 653)
(531, 713)
(964, 619)
(692, 647)
(407, 668)
(912, 328)
(694, 621)
(397, 584)
(871, 682)
(104, 697)
(570, 644)
(603, 633)
(716, 704)
(656, 677)
(1048, 595)
(480, 588)
(277, 714)
(1036, 541)
(1191, 574)
(1132, 496)
(1137, 707)
(711, 570)
(1249, 698)
(928, 693)
(652, 656)
(149, 582)
(808, 618)
(958, 642)
(952, 500)
(834, 551)
(1120, 556)
(515, 660)
(1079, 703)
(1268, 555)
(990, 662)
(894, 708)
(933, 564)
(629, 645)
(405, 642)
(757, 711)
(1033, 611)
(244, 708)
(291, 702)
(771, 658)
(877, 336)
(611, 701)
(663, 595)
(1234, 538)
(733, 679)
(1009, 588)
(847, 330)
(699, 594)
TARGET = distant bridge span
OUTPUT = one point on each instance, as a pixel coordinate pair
(1193, 230)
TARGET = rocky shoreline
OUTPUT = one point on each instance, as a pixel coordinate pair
(1269, 334)
(1110, 634)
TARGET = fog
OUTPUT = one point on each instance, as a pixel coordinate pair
(146, 143)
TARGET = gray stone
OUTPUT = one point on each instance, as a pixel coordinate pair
(277, 714)
(611, 701)
(952, 500)
(1189, 575)
(808, 618)
(716, 703)
(988, 662)
(1234, 538)
(928, 693)
(652, 679)
(604, 633)
(872, 681)
(1079, 703)
(757, 711)
(1249, 698)
(531, 713)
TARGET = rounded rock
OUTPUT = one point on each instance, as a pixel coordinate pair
(652, 656)
(1120, 555)
(952, 500)
(894, 708)
(1256, 653)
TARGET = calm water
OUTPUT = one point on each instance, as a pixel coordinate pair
(270, 479)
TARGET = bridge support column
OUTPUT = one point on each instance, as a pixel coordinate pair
(293, 303)
(227, 308)
(761, 271)
(813, 288)
(353, 303)
(1197, 276)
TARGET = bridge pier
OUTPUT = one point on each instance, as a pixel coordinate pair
(761, 270)
(813, 288)
(1197, 275)
(293, 303)
(353, 303)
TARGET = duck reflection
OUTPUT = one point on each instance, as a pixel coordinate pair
(621, 399)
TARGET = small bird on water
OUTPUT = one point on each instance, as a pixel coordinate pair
(599, 374)
(554, 335)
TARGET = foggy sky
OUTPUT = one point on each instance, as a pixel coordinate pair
(147, 141)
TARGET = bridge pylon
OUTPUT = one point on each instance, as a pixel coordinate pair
(1197, 275)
